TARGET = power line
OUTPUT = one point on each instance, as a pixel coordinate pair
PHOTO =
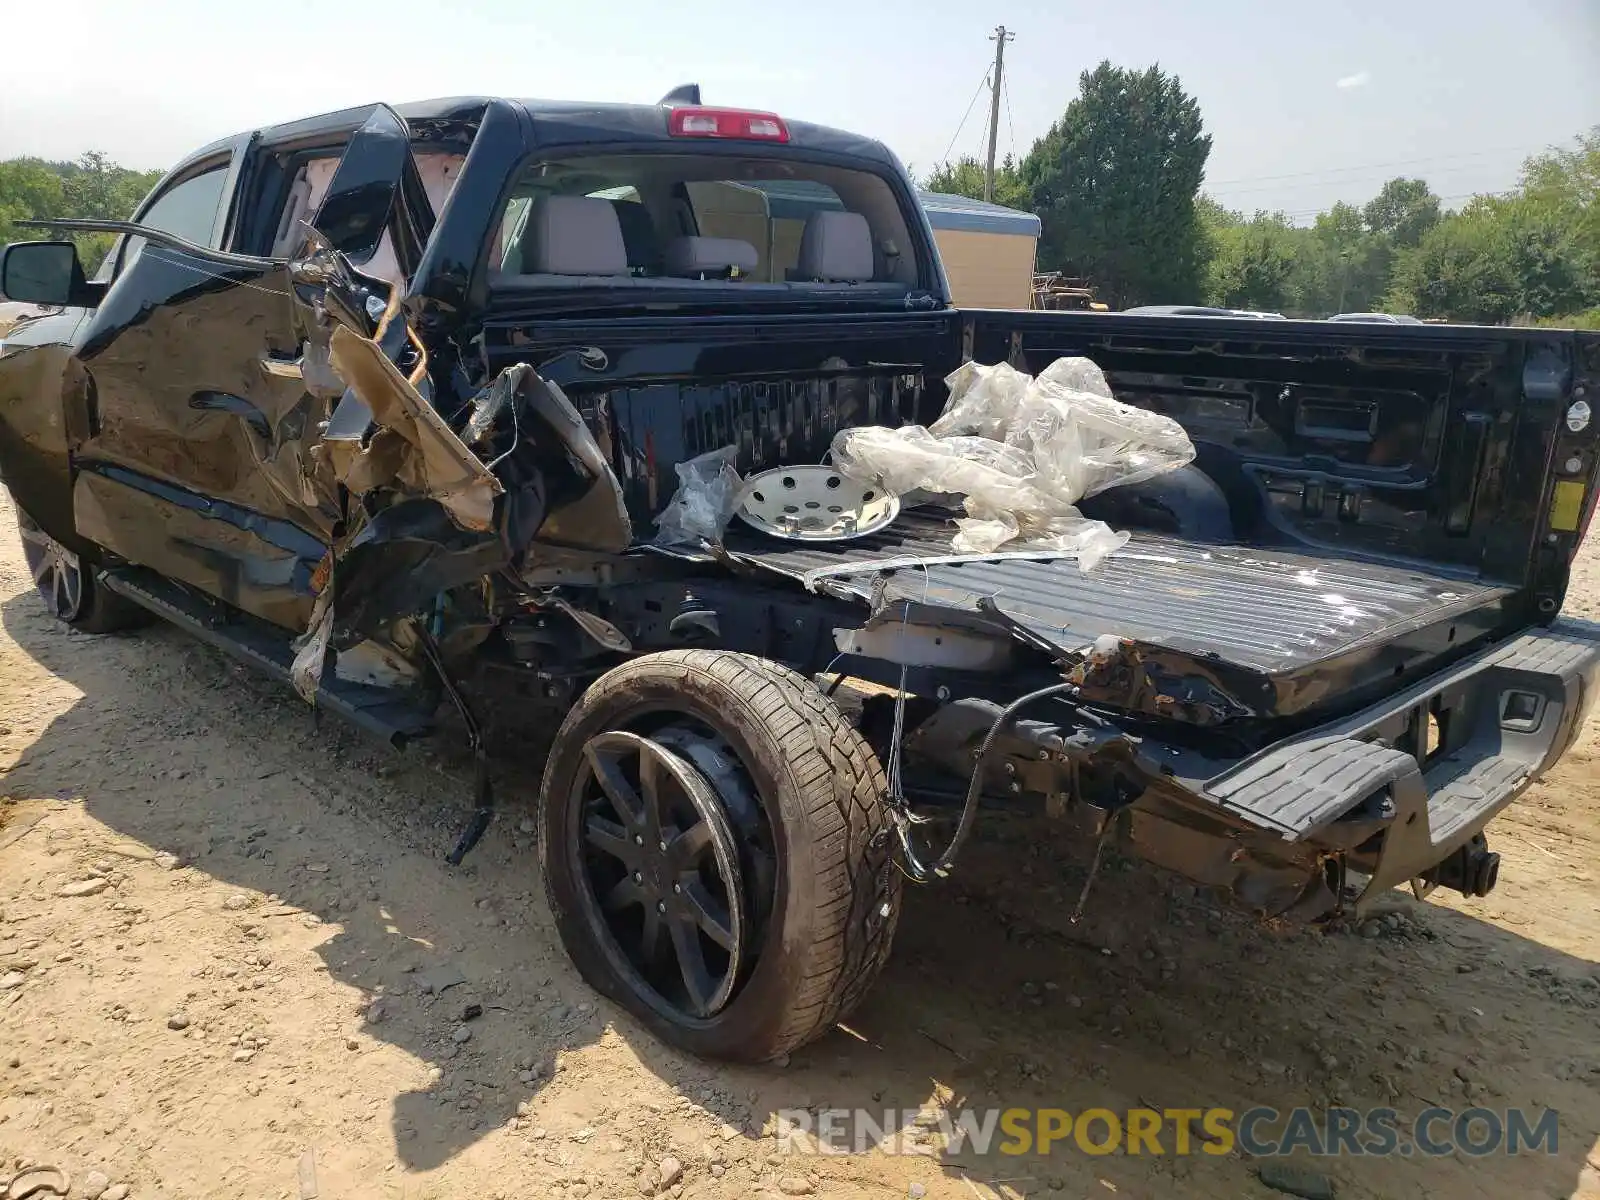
(976, 93)
(1005, 90)
(1408, 162)
(1311, 184)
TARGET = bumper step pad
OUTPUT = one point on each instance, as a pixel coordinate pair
(1487, 757)
(1307, 783)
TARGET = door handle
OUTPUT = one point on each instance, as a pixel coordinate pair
(237, 405)
(282, 368)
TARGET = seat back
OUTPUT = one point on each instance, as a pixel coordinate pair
(639, 237)
(571, 235)
(702, 257)
(836, 247)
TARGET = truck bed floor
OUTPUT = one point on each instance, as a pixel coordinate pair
(1301, 618)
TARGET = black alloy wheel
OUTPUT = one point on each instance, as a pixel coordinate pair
(662, 865)
(58, 574)
(716, 851)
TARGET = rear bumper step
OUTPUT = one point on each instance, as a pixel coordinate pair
(375, 711)
(1447, 753)
(1293, 788)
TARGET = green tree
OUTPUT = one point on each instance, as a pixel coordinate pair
(964, 177)
(29, 184)
(1495, 260)
(1252, 263)
(1459, 272)
(1589, 318)
(28, 189)
(93, 186)
(1115, 182)
(1551, 271)
(1565, 183)
(1403, 210)
(1346, 267)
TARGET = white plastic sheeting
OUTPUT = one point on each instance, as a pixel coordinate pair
(1022, 451)
(708, 493)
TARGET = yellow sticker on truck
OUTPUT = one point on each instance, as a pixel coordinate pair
(1566, 506)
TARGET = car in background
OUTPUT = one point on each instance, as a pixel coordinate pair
(1378, 318)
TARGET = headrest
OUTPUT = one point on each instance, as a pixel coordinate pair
(836, 246)
(573, 235)
(693, 257)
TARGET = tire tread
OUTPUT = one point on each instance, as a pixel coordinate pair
(854, 882)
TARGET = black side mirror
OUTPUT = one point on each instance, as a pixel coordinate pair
(42, 273)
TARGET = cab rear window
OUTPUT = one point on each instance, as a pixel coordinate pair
(709, 219)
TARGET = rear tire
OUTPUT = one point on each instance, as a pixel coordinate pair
(69, 585)
(803, 794)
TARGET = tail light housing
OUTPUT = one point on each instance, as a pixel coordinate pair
(739, 124)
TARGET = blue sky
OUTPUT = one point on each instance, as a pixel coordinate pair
(1307, 103)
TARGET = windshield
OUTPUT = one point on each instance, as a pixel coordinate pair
(702, 222)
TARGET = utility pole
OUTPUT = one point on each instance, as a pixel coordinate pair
(999, 37)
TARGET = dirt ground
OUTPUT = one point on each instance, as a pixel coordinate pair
(224, 931)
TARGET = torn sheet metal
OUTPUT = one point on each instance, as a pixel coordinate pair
(404, 557)
(892, 635)
(604, 633)
(442, 511)
(374, 664)
(414, 450)
(586, 509)
(311, 651)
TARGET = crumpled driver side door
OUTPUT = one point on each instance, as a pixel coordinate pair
(202, 457)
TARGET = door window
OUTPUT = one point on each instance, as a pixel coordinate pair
(188, 209)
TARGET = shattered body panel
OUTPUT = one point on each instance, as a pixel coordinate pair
(174, 417)
(413, 450)
(37, 433)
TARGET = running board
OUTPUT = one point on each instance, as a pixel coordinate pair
(375, 711)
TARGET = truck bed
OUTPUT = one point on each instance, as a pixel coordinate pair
(1271, 631)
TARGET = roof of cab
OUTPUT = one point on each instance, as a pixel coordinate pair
(340, 121)
(556, 123)
(569, 122)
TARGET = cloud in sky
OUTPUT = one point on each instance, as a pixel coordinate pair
(1359, 79)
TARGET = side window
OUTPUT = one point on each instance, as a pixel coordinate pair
(108, 265)
(511, 227)
(188, 209)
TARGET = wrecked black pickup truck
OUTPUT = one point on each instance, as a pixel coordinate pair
(389, 403)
